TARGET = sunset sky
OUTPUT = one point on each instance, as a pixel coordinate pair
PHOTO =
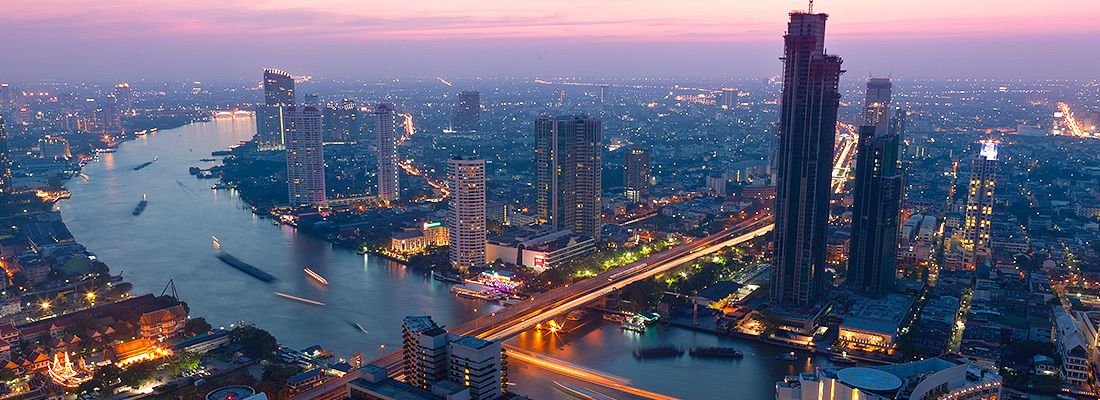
(230, 39)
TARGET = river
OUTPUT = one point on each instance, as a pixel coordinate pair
(171, 240)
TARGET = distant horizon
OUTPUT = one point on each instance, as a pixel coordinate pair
(710, 39)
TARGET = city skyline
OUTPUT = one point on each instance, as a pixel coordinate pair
(189, 41)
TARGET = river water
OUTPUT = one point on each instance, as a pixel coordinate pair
(171, 240)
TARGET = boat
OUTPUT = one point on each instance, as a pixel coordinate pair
(629, 325)
(296, 298)
(658, 352)
(153, 130)
(243, 266)
(316, 276)
(141, 205)
(146, 164)
(576, 315)
(140, 133)
(474, 291)
(787, 357)
(841, 358)
(612, 317)
(581, 393)
(446, 278)
(357, 326)
(715, 352)
(207, 159)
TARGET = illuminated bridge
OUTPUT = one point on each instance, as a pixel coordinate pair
(544, 306)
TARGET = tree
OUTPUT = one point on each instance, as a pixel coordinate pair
(196, 326)
(183, 361)
(255, 342)
(138, 374)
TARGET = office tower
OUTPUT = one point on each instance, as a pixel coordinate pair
(636, 174)
(342, 123)
(431, 355)
(423, 351)
(270, 119)
(125, 97)
(305, 159)
(466, 215)
(603, 93)
(478, 365)
(872, 253)
(729, 98)
(110, 122)
(979, 205)
(569, 158)
(466, 116)
(5, 160)
(385, 130)
(561, 97)
(804, 160)
(876, 107)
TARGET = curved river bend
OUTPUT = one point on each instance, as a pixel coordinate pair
(171, 239)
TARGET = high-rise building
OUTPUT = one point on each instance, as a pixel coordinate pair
(636, 174)
(804, 158)
(466, 116)
(569, 158)
(342, 122)
(876, 106)
(270, 119)
(5, 160)
(125, 97)
(603, 93)
(431, 355)
(385, 130)
(729, 98)
(872, 254)
(305, 159)
(979, 205)
(466, 215)
(7, 97)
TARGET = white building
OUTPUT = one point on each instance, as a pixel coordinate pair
(539, 249)
(386, 132)
(1075, 341)
(305, 159)
(466, 216)
(941, 378)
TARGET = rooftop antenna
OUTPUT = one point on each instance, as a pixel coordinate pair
(811, 9)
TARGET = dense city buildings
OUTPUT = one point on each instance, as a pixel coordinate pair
(466, 215)
(569, 158)
(305, 160)
(636, 174)
(978, 217)
(808, 116)
(386, 134)
(947, 377)
(466, 116)
(5, 160)
(270, 116)
(877, 195)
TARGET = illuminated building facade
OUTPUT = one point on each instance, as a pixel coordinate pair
(305, 159)
(270, 119)
(432, 355)
(636, 174)
(978, 219)
(569, 158)
(386, 133)
(872, 257)
(466, 215)
(807, 124)
(125, 97)
(940, 378)
(5, 161)
(466, 116)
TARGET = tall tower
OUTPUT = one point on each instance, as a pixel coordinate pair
(729, 98)
(305, 159)
(872, 266)
(270, 119)
(125, 97)
(804, 160)
(979, 205)
(466, 116)
(386, 132)
(466, 215)
(569, 158)
(636, 174)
